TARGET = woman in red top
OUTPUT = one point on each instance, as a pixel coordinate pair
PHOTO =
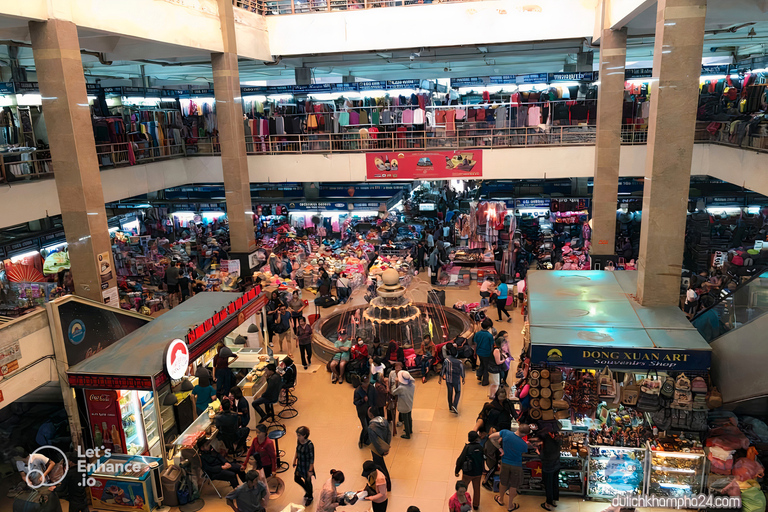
(359, 363)
(460, 501)
(263, 450)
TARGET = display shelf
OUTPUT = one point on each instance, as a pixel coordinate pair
(676, 474)
(616, 470)
(571, 481)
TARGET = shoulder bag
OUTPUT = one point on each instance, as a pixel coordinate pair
(607, 384)
(630, 394)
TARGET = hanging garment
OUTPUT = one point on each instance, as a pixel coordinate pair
(418, 116)
(501, 117)
(408, 117)
(534, 116)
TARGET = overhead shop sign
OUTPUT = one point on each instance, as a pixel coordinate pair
(633, 358)
(536, 202)
(416, 165)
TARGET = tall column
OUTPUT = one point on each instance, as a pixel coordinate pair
(674, 98)
(610, 101)
(56, 50)
(229, 113)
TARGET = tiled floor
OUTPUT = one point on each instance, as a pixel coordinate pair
(422, 468)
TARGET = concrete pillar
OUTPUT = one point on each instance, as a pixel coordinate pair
(229, 112)
(56, 50)
(674, 99)
(610, 101)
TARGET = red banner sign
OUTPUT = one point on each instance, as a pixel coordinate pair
(429, 165)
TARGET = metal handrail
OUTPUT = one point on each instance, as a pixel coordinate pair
(467, 136)
(280, 7)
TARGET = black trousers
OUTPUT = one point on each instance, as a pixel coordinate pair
(268, 408)
(305, 481)
(501, 307)
(230, 475)
(363, 423)
(380, 507)
(551, 486)
(407, 422)
(454, 392)
(482, 370)
(306, 354)
(379, 461)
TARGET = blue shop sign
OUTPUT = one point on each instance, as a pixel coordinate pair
(638, 73)
(133, 91)
(27, 87)
(202, 92)
(536, 78)
(715, 70)
(532, 203)
(253, 90)
(7, 88)
(621, 358)
(502, 79)
(92, 89)
(403, 84)
(467, 81)
(342, 87)
(587, 76)
(371, 85)
(173, 93)
(153, 93)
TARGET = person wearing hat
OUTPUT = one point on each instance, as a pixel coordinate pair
(404, 389)
(513, 447)
(471, 463)
(376, 486)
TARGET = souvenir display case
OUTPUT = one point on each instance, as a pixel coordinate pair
(616, 470)
(676, 474)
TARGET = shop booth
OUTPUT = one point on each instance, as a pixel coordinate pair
(123, 391)
(599, 367)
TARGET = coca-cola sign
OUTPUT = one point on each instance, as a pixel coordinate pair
(99, 398)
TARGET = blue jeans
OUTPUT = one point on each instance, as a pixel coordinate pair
(426, 362)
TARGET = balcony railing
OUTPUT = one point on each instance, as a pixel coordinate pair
(277, 7)
(32, 165)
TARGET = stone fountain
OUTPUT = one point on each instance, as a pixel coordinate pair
(390, 316)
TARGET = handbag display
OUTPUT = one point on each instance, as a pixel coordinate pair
(715, 399)
(547, 415)
(630, 393)
(559, 403)
(649, 395)
(668, 388)
(699, 385)
(682, 383)
(607, 386)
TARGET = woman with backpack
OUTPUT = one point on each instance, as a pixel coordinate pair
(470, 463)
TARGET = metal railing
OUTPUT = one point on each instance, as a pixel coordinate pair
(37, 164)
(716, 132)
(278, 7)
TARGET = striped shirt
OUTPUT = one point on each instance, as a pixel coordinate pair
(305, 454)
(453, 370)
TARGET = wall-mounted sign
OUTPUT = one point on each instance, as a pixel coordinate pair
(176, 359)
(536, 202)
(634, 358)
(536, 78)
(417, 165)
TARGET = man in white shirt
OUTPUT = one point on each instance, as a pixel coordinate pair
(37, 466)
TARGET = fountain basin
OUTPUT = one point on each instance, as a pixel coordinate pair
(325, 330)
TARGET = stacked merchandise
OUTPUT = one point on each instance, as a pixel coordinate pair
(698, 238)
(737, 456)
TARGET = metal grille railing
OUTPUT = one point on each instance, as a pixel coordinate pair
(278, 7)
(32, 165)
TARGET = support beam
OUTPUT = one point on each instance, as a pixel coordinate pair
(56, 50)
(229, 111)
(610, 100)
(674, 99)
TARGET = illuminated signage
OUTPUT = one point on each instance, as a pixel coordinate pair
(176, 359)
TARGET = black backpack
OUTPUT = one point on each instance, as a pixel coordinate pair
(473, 459)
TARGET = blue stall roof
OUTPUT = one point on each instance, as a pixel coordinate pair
(591, 319)
(141, 352)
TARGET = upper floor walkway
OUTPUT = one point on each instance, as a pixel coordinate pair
(33, 197)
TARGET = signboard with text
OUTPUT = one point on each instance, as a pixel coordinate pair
(416, 165)
(621, 358)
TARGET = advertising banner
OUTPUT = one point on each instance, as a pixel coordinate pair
(428, 165)
(88, 329)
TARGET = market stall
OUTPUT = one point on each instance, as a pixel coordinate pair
(123, 388)
(634, 379)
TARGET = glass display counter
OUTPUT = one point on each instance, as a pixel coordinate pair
(676, 474)
(201, 427)
(615, 470)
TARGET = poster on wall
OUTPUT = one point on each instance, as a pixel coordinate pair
(10, 352)
(416, 165)
(233, 266)
(105, 267)
(111, 297)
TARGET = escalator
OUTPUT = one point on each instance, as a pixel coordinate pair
(736, 327)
